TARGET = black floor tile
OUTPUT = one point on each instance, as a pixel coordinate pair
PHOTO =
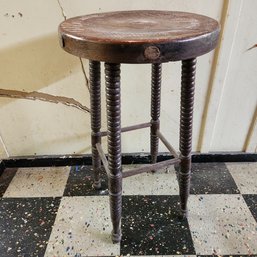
(6, 178)
(25, 225)
(212, 178)
(251, 201)
(151, 225)
(80, 182)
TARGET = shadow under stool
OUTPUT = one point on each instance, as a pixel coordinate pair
(138, 37)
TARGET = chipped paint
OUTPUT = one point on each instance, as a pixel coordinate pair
(43, 97)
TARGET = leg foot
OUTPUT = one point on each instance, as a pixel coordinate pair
(97, 184)
(116, 237)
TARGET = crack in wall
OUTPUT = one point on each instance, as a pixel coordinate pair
(84, 73)
(62, 10)
(81, 62)
(43, 97)
(47, 97)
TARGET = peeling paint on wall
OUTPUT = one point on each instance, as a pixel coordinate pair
(254, 46)
(43, 97)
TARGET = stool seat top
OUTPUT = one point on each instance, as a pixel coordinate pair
(142, 36)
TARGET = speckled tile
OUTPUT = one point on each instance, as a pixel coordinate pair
(245, 176)
(185, 255)
(38, 182)
(222, 225)
(228, 255)
(25, 225)
(151, 226)
(251, 201)
(5, 179)
(159, 255)
(80, 182)
(82, 228)
(142, 255)
(162, 182)
(212, 178)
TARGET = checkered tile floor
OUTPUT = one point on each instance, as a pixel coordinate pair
(56, 212)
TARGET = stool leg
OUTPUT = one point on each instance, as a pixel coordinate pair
(95, 103)
(112, 77)
(186, 124)
(155, 108)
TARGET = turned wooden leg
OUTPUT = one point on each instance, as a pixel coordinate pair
(155, 108)
(186, 124)
(112, 77)
(95, 103)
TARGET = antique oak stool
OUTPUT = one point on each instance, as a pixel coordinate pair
(138, 37)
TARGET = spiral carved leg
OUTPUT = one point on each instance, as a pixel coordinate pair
(112, 77)
(155, 108)
(186, 124)
(95, 103)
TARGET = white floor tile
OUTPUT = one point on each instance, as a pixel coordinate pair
(162, 182)
(186, 255)
(221, 225)
(245, 176)
(143, 255)
(160, 255)
(38, 182)
(82, 228)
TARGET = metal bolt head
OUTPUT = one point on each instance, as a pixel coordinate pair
(152, 52)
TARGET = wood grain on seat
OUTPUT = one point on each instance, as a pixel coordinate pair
(139, 36)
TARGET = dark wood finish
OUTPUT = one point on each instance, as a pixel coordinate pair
(155, 109)
(167, 144)
(103, 158)
(139, 37)
(130, 128)
(150, 167)
(186, 125)
(143, 36)
(112, 79)
(95, 104)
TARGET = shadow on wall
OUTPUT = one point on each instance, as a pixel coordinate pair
(33, 65)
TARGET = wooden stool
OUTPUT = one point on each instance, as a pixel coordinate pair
(138, 37)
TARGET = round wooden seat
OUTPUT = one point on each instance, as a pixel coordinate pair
(139, 36)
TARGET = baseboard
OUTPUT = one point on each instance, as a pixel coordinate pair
(2, 167)
(133, 158)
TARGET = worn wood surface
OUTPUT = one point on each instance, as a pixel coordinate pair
(139, 36)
